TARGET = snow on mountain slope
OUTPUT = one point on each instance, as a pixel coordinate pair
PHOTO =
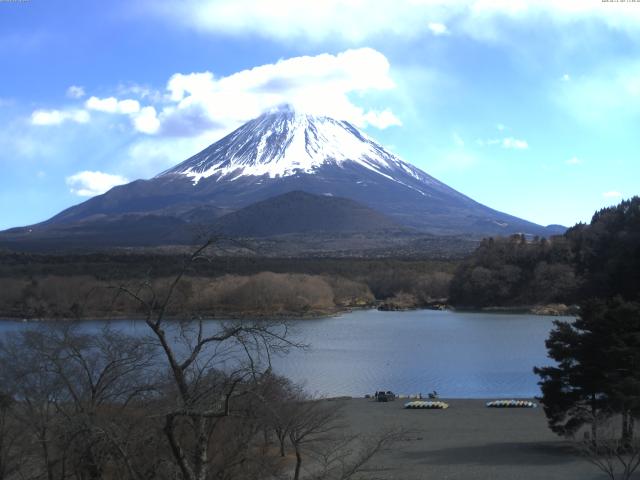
(285, 151)
(285, 142)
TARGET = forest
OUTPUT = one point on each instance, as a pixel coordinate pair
(590, 260)
(83, 286)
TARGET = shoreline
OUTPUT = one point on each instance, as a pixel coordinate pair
(539, 310)
(278, 316)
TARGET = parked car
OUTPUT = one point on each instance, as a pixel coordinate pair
(383, 396)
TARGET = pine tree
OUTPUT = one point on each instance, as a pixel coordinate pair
(598, 368)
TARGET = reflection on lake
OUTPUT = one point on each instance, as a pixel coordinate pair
(460, 355)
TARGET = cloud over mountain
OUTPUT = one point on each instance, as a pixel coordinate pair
(319, 85)
(199, 102)
(88, 183)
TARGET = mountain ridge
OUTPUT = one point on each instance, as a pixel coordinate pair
(284, 151)
(304, 213)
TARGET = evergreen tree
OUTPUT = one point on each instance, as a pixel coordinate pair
(598, 368)
(608, 252)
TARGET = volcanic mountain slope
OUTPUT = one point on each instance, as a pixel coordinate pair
(304, 213)
(291, 213)
(284, 151)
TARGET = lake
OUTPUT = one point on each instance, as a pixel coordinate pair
(458, 354)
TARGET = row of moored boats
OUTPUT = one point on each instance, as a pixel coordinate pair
(438, 405)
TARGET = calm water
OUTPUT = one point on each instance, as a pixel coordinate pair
(460, 355)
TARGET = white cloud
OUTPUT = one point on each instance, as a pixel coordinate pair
(146, 121)
(438, 28)
(514, 143)
(573, 161)
(90, 183)
(612, 194)
(143, 119)
(501, 127)
(128, 106)
(320, 85)
(75, 91)
(113, 105)
(382, 120)
(57, 117)
(195, 103)
(566, 77)
(109, 105)
(181, 85)
(356, 21)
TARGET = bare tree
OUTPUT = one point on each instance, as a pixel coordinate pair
(38, 391)
(73, 394)
(315, 430)
(350, 456)
(192, 352)
(279, 402)
(616, 456)
(312, 422)
(11, 458)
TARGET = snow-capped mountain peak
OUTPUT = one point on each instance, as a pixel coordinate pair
(287, 142)
(265, 160)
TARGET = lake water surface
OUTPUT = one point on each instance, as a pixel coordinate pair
(460, 355)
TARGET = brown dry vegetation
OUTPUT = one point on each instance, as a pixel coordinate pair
(261, 294)
(85, 286)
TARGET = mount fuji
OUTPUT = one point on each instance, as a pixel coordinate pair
(280, 152)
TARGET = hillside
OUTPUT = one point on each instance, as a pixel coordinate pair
(303, 213)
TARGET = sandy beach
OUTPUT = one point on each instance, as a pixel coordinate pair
(468, 441)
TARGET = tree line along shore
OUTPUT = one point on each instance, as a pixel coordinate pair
(84, 286)
(542, 275)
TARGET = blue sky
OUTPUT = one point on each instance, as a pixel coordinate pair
(530, 107)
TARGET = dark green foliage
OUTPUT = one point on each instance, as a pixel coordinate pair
(117, 265)
(608, 251)
(516, 271)
(598, 356)
(598, 367)
(599, 260)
